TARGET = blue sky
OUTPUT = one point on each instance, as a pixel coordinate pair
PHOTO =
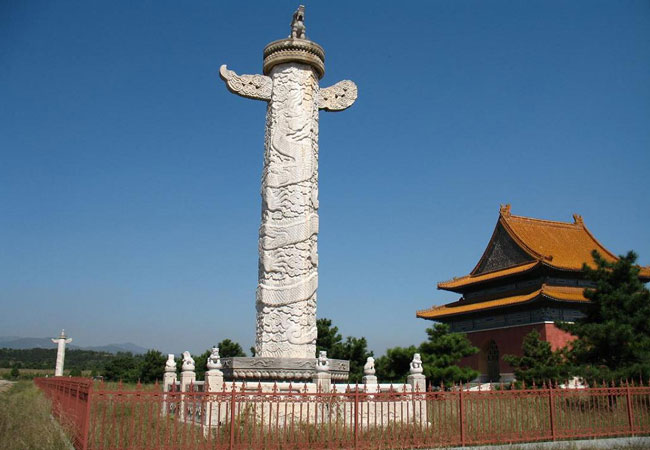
(130, 176)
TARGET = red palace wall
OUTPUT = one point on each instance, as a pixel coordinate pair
(509, 341)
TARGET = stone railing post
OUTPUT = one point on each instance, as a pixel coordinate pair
(213, 383)
(188, 378)
(416, 378)
(369, 379)
(323, 377)
(169, 380)
(418, 383)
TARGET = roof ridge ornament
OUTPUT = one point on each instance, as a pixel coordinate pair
(504, 210)
(577, 219)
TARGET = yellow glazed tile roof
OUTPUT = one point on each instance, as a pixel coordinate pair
(471, 279)
(558, 293)
(561, 245)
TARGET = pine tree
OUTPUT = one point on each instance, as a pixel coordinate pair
(229, 349)
(152, 367)
(539, 364)
(328, 337)
(613, 338)
(441, 353)
(394, 365)
(352, 349)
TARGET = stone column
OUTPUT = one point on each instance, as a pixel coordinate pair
(60, 353)
(288, 255)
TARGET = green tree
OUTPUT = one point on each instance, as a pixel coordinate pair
(75, 372)
(352, 349)
(328, 337)
(539, 364)
(15, 373)
(394, 365)
(228, 349)
(356, 351)
(152, 367)
(613, 338)
(441, 353)
(124, 367)
(200, 363)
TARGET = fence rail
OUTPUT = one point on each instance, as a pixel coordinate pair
(250, 417)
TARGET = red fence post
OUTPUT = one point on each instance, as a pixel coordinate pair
(461, 418)
(630, 416)
(551, 407)
(232, 418)
(356, 417)
(86, 420)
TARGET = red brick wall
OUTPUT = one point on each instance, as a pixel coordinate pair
(509, 341)
(558, 338)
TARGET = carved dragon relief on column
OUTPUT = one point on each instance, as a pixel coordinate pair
(288, 264)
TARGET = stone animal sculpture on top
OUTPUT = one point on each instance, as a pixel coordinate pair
(416, 365)
(214, 360)
(298, 23)
(369, 366)
(188, 362)
(170, 365)
(323, 362)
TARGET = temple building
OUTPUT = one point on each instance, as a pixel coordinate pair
(530, 275)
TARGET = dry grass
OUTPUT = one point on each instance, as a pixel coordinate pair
(571, 446)
(25, 420)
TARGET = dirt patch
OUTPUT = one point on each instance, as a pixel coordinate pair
(5, 385)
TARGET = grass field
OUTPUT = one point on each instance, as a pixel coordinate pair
(25, 420)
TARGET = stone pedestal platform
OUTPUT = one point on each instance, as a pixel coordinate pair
(280, 369)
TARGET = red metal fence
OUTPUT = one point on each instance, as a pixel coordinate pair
(70, 404)
(250, 417)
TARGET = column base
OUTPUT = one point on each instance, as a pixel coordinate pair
(280, 369)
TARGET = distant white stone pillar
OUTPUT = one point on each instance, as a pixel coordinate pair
(323, 377)
(416, 378)
(60, 353)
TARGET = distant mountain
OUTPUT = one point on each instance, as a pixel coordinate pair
(20, 343)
